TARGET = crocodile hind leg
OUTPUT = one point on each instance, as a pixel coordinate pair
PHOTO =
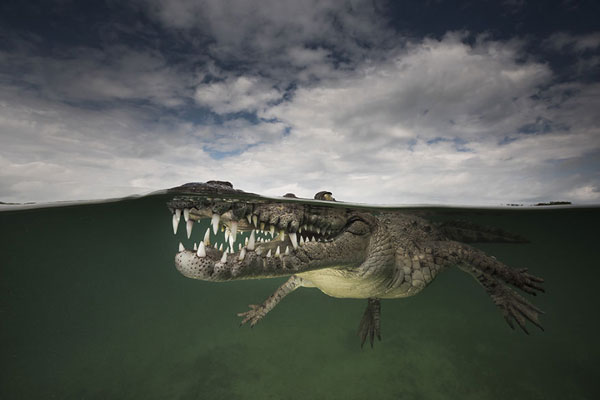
(257, 312)
(370, 322)
(495, 277)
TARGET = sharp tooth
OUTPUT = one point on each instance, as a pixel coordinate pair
(195, 246)
(300, 229)
(175, 223)
(287, 250)
(246, 241)
(272, 230)
(318, 230)
(281, 235)
(178, 214)
(255, 221)
(234, 227)
(231, 241)
(249, 218)
(224, 257)
(277, 252)
(181, 248)
(313, 239)
(221, 247)
(251, 241)
(207, 237)
(215, 222)
(226, 235)
(201, 250)
(216, 246)
(242, 254)
(269, 253)
(301, 241)
(186, 214)
(294, 240)
(262, 226)
(188, 227)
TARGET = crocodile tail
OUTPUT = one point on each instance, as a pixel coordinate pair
(468, 232)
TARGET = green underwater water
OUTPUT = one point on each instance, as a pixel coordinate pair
(91, 307)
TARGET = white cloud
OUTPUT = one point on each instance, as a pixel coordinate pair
(303, 57)
(381, 126)
(431, 89)
(567, 42)
(590, 193)
(237, 94)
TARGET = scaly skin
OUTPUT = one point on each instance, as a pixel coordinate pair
(357, 253)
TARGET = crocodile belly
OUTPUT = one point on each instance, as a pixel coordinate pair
(341, 283)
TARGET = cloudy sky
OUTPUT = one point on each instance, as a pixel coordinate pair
(479, 102)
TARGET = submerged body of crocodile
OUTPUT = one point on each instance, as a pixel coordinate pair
(344, 251)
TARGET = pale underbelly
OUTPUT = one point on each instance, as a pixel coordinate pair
(348, 284)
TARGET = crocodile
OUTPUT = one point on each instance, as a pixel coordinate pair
(344, 250)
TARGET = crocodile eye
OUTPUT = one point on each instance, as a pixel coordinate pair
(358, 228)
(328, 196)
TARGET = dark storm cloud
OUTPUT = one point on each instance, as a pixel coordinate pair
(98, 76)
(567, 42)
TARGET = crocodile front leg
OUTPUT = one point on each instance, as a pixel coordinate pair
(370, 322)
(257, 312)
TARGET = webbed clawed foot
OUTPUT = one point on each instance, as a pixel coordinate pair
(513, 306)
(527, 282)
(255, 314)
(370, 322)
